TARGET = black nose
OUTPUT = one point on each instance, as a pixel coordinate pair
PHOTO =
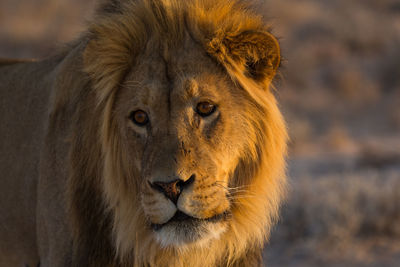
(172, 189)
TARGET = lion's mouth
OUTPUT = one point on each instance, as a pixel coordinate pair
(182, 218)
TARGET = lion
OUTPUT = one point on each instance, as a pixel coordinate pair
(154, 139)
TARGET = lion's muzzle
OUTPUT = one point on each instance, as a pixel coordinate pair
(185, 211)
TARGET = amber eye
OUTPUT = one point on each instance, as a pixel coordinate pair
(139, 117)
(205, 109)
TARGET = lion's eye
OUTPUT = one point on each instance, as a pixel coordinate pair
(139, 117)
(205, 109)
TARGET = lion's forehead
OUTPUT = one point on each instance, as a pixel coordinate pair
(175, 77)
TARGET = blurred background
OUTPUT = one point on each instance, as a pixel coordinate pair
(339, 89)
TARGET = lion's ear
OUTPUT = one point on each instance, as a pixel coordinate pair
(255, 54)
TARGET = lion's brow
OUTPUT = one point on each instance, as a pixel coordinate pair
(191, 88)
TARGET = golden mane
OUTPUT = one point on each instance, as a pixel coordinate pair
(122, 35)
(116, 37)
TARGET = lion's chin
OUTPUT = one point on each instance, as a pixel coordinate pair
(183, 230)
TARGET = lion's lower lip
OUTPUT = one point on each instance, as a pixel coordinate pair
(182, 217)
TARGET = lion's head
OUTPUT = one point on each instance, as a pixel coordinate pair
(192, 140)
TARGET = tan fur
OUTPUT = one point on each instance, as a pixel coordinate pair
(163, 57)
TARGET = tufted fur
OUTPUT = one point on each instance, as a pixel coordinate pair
(95, 206)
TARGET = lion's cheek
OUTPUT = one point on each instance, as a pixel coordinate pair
(158, 208)
(203, 206)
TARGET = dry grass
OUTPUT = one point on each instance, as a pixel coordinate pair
(340, 92)
(346, 217)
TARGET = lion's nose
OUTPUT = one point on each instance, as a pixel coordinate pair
(172, 189)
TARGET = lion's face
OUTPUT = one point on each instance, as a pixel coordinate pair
(189, 139)
(184, 128)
